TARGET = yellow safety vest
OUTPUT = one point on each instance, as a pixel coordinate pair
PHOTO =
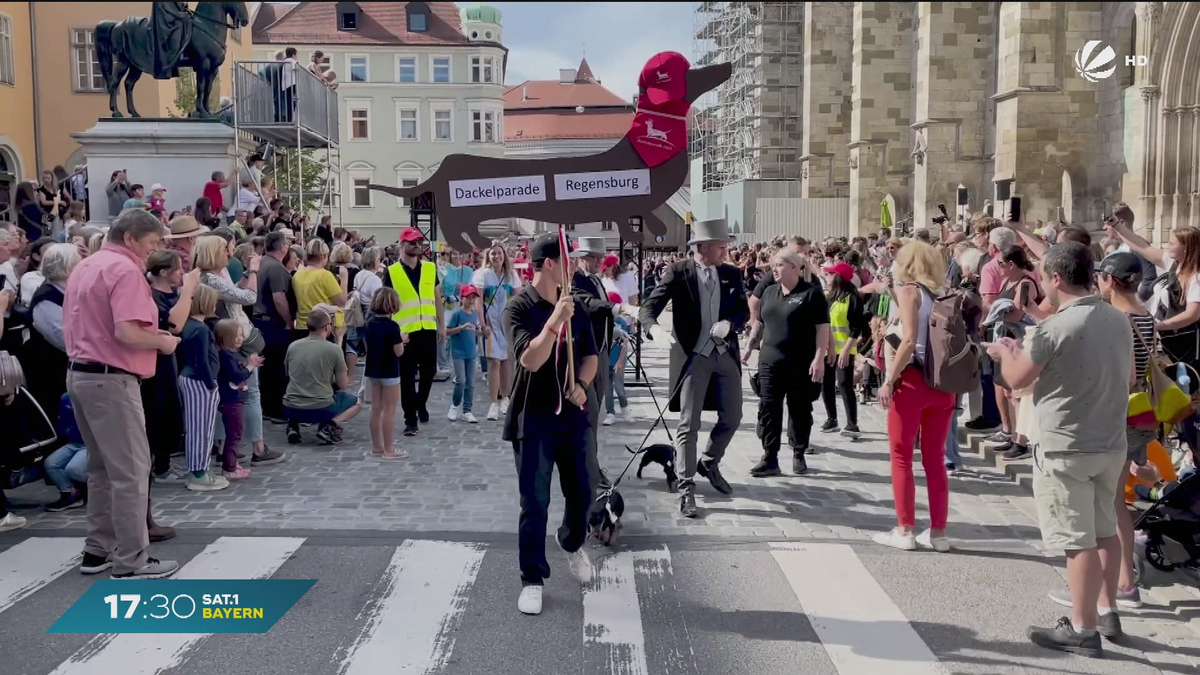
(417, 311)
(839, 323)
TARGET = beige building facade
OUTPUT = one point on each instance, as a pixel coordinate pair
(905, 102)
(51, 86)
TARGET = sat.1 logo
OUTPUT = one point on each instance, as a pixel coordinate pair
(1094, 68)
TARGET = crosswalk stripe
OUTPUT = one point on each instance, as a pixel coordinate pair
(861, 629)
(612, 618)
(33, 563)
(412, 626)
(152, 653)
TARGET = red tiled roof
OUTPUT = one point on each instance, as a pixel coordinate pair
(584, 72)
(552, 94)
(566, 124)
(380, 23)
(269, 13)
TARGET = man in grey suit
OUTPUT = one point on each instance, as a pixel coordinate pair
(708, 301)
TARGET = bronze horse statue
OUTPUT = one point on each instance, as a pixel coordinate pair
(459, 227)
(173, 37)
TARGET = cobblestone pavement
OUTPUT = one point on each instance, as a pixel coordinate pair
(461, 478)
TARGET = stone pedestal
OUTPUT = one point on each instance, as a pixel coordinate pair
(181, 154)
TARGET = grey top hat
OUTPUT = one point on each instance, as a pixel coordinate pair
(589, 246)
(710, 230)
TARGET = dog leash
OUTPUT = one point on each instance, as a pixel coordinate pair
(660, 419)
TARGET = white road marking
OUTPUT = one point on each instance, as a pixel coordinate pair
(411, 628)
(153, 653)
(612, 617)
(861, 629)
(33, 563)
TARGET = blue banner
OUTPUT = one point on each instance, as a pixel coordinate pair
(182, 606)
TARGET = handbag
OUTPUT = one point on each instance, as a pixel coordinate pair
(12, 377)
(353, 311)
(1158, 399)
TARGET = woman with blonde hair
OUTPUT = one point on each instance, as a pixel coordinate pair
(340, 258)
(791, 362)
(314, 285)
(498, 281)
(913, 407)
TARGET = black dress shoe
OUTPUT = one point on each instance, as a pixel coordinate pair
(423, 416)
(712, 472)
(687, 500)
(799, 465)
(769, 466)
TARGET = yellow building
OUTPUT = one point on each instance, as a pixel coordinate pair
(40, 106)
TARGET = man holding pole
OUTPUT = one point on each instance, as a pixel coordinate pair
(555, 357)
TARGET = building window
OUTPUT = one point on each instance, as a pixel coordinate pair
(407, 178)
(483, 126)
(358, 68)
(8, 73)
(487, 35)
(483, 70)
(441, 69)
(360, 124)
(418, 17)
(362, 193)
(83, 57)
(406, 69)
(348, 21)
(406, 124)
(443, 125)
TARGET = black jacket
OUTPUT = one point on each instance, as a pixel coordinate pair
(594, 299)
(680, 286)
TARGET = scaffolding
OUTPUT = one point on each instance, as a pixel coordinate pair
(294, 116)
(751, 127)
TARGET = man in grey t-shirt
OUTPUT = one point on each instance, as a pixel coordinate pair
(1080, 364)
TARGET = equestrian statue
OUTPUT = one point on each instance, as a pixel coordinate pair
(173, 37)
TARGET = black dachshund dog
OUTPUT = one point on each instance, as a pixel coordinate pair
(664, 455)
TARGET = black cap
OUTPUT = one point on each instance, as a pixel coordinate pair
(545, 246)
(1125, 267)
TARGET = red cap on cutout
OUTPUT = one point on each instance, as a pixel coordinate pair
(664, 78)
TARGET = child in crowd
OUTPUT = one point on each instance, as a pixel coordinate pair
(232, 381)
(385, 344)
(157, 202)
(66, 467)
(616, 369)
(199, 363)
(461, 328)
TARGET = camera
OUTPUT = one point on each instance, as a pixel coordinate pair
(941, 220)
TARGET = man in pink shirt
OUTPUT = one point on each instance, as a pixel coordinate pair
(110, 325)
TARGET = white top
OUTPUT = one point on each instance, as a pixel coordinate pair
(367, 283)
(923, 324)
(627, 282)
(30, 282)
(1160, 299)
(246, 201)
(612, 286)
(288, 77)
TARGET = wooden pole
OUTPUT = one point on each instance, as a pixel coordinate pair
(565, 288)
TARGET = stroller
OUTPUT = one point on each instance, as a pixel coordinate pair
(1172, 527)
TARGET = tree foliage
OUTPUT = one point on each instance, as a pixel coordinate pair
(311, 178)
(185, 94)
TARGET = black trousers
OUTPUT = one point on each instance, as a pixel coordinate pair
(164, 419)
(536, 456)
(777, 384)
(272, 377)
(843, 380)
(418, 365)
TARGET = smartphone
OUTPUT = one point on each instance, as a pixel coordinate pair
(1014, 210)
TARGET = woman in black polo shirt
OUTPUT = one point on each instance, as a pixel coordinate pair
(795, 319)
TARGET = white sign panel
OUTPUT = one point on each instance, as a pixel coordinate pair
(600, 184)
(492, 191)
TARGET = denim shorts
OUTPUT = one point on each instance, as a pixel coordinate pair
(342, 401)
(385, 381)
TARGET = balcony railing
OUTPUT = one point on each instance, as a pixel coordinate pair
(284, 102)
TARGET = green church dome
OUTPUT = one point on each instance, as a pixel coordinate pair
(478, 11)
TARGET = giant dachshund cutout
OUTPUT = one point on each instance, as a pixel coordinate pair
(636, 176)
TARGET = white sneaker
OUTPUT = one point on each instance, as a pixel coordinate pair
(530, 601)
(12, 522)
(494, 411)
(504, 406)
(896, 539)
(609, 420)
(628, 417)
(581, 565)
(617, 408)
(209, 482)
(470, 417)
(453, 414)
(927, 540)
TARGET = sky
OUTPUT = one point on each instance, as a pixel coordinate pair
(619, 37)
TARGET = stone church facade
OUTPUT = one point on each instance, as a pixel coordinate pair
(908, 101)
